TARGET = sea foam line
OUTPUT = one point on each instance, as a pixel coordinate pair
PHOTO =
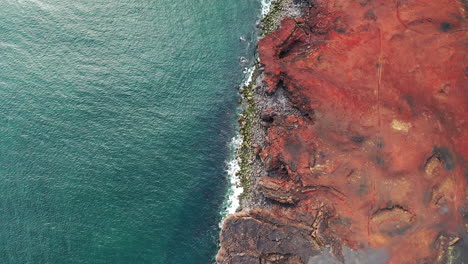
(233, 164)
(266, 6)
(232, 201)
(233, 167)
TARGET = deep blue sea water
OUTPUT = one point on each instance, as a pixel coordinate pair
(115, 119)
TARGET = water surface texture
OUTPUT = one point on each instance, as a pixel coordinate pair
(114, 123)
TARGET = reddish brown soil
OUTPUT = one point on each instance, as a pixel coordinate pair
(382, 145)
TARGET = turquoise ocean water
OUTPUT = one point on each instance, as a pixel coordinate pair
(115, 118)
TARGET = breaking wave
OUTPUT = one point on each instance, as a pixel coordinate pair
(232, 201)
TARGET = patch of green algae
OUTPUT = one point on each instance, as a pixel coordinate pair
(454, 255)
(246, 122)
(271, 20)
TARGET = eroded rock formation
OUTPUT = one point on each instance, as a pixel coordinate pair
(377, 158)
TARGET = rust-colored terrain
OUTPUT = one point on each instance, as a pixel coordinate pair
(377, 159)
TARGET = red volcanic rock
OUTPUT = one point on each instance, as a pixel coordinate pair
(386, 85)
(278, 190)
(381, 147)
(263, 237)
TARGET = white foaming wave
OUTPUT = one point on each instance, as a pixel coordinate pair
(266, 6)
(248, 77)
(232, 201)
(233, 167)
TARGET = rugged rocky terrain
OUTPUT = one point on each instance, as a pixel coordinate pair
(361, 138)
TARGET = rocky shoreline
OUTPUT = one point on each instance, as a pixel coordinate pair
(259, 109)
(316, 178)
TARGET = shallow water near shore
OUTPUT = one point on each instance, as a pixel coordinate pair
(115, 120)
